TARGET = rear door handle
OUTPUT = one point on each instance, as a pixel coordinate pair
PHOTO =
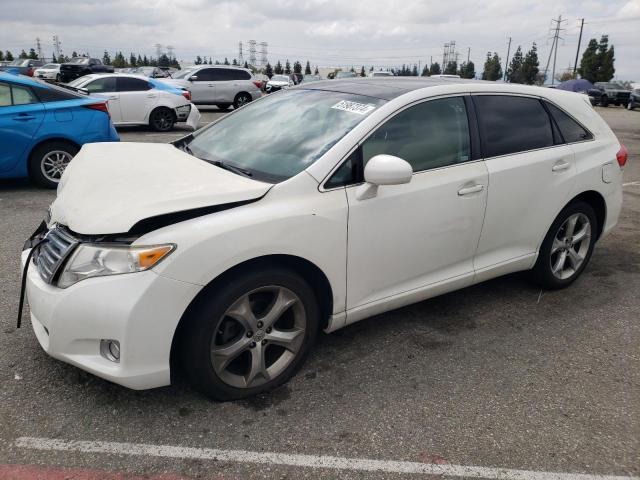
(470, 190)
(24, 117)
(560, 166)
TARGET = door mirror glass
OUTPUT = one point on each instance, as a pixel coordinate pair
(387, 170)
(193, 78)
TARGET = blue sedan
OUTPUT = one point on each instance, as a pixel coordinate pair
(43, 126)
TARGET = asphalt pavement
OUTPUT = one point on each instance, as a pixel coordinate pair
(497, 376)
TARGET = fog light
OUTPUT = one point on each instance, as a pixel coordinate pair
(110, 349)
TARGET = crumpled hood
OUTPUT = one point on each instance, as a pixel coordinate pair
(109, 187)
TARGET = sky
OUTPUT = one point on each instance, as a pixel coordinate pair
(382, 33)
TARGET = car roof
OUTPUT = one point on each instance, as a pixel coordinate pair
(21, 79)
(386, 88)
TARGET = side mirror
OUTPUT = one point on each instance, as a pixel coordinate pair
(193, 78)
(84, 90)
(383, 170)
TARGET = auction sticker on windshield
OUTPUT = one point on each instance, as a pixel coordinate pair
(354, 107)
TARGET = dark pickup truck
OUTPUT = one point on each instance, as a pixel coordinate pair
(81, 66)
(606, 93)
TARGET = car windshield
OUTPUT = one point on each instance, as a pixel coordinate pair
(182, 73)
(310, 78)
(345, 75)
(51, 65)
(20, 62)
(280, 78)
(79, 81)
(79, 60)
(280, 135)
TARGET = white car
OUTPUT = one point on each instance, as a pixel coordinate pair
(137, 100)
(380, 73)
(219, 85)
(228, 251)
(50, 71)
(278, 82)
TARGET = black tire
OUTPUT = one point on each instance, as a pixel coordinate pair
(604, 101)
(162, 119)
(241, 99)
(222, 106)
(57, 78)
(617, 104)
(542, 271)
(47, 152)
(206, 321)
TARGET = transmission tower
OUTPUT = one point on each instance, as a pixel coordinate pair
(39, 47)
(158, 48)
(170, 49)
(240, 54)
(263, 53)
(57, 45)
(252, 52)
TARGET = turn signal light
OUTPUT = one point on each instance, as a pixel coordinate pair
(622, 155)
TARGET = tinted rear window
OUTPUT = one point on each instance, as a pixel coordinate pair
(571, 130)
(510, 124)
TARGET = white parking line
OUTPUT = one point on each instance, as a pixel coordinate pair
(629, 184)
(308, 461)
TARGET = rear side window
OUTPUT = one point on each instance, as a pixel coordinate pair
(128, 84)
(54, 94)
(241, 75)
(571, 130)
(23, 95)
(102, 85)
(510, 124)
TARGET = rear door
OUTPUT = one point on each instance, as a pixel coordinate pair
(203, 87)
(531, 176)
(105, 87)
(137, 99)
(21, 114)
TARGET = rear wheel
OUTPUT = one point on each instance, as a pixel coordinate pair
(251, 336)
(568, 246)
(241, 100)
(48, 162)
(162, 119)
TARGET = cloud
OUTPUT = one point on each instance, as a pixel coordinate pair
(327, 32)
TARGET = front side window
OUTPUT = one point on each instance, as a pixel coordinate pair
(296, 127)
(5, 95)
(571, 130)
(205, 75)
(102, 85)
(511, 124)
(429, 135)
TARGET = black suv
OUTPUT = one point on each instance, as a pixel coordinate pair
(607, 92)
(81, 66)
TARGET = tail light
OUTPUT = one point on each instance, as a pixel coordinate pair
(30, 71)
(258, 83)
(186, 94)
(622, 155)
(102, 107)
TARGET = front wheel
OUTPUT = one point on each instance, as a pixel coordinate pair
(567, 248)
(241, 100)
(162, 119)
(604, 101)
(48, 162)
(250, 335)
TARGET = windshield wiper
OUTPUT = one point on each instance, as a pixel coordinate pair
(231, 168)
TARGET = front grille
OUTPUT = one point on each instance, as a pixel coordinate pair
(53, 251)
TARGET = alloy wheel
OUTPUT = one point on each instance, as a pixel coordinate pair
(54, 163)
(258, 336)
(570, 246)
(163, 120)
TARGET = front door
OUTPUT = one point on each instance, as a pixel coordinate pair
(105, 87)
(203, 88)
(413, 238)
(137, 99)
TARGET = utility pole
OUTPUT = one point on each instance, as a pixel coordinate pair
(554, 49)
(575, 65)
(506, 63)
(468, 54)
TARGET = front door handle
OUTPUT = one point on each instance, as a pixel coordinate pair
(470, 190)
(560, 166)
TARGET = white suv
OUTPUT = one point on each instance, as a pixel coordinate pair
(218, 85)
(227, 252)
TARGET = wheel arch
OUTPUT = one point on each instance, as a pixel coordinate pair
(44, 141)
(308, 270)
(597, 202)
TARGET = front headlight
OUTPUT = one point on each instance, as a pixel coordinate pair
(93, 260)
